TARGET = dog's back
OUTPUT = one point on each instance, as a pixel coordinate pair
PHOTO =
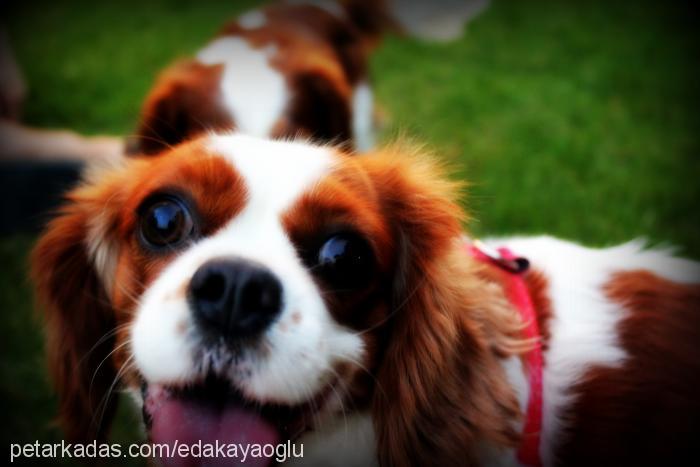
(621, 341)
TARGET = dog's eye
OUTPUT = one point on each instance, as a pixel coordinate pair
(166, 222)
(346, 261)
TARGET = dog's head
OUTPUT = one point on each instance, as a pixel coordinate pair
(245, 289)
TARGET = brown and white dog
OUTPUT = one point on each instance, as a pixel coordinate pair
(290, 69)
(246, 290)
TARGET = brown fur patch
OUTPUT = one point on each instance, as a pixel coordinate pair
(647, 411)
(216, 191)
(343, 201)
(185, 101)
(318, 110)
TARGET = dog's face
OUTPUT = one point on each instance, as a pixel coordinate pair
(250, 290)
(257, 266)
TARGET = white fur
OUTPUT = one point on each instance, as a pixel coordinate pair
(102, 251)
(253, 19)
(300, 354)
(330, 6)
(583, 324)
(441, 21)
(161, 353)
(362, 111)
(254, 92)
(516, 376)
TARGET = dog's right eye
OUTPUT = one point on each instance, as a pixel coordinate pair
(346, 261)
(165, 222)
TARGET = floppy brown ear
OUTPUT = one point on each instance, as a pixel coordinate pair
(319, 109)
(441, 393)
(185, 101)
(79, 322)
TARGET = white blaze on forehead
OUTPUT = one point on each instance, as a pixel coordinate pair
(254, 92)
(276, 173)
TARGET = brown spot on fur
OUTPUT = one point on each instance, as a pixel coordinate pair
(647, 410)
(180, 293)
(181, 327)
(185, 101)
(296, 317)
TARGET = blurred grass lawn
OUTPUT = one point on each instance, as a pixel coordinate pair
(578, 119)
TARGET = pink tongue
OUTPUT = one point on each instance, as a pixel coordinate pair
(201, 427)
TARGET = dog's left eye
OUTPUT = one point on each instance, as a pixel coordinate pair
(346, 261)
(166, 222)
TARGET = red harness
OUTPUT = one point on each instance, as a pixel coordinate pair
(519, 296)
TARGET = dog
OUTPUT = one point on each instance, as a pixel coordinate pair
(288, 70)
(245, 290)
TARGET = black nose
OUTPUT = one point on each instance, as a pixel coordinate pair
(235, 298)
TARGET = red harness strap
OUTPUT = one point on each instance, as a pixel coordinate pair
(519, 296)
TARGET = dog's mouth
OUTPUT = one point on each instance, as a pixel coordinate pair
(212, 414)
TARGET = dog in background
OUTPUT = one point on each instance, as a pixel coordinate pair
(287, 70)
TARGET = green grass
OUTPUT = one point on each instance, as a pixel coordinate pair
(577, 119)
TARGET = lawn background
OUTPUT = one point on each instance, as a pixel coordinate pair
(575, 118)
